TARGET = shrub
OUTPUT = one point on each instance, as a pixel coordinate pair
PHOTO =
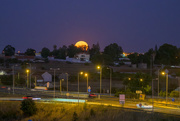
(68, 62)
(92, 112)
(85, 106)
(86, 64)
(117, 94)
(28, 107)
(162, 94)
(174, 94)
(75, 116)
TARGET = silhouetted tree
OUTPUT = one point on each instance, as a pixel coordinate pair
(148, 56)
(30, 52)
(62, 52)
(102, 59)
(9, 50)
(133, 58)
(45, 52)
(113, 50)
(73, 50)
(167, 54)
(94, 50)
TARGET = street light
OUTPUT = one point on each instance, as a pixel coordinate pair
(179, 86)
(13, 79)
(67, 81)
(110, 78)
(78, 85)
(86, 75)
(158, 83)
(27, 71)
(100, 68)
(54, 77)
(141, 80)
(29, 74)
(166, 74)
(60, 84)
(153, 95)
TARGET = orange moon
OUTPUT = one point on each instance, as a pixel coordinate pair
(82, 44)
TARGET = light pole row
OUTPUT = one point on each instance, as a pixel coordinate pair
(54, 77)
(100, 68)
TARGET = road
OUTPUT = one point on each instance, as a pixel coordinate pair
(47, 96)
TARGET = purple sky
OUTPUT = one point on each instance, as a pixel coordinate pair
(135, 25)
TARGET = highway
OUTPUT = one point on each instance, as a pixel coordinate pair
(47, 96)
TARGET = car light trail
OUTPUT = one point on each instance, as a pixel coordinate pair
(69, 100)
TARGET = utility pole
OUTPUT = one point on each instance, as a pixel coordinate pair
(54, 77)
(151, 65)
(13, 79)
(67, 81)
(158, 83)
(30, 75)
(35, 81)
(60, 87)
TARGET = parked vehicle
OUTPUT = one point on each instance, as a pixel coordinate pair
(40, 88)
(92, 95)
(27, 97)
(144, 105)
(31, 98)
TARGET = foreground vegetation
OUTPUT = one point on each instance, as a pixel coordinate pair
(10, 111)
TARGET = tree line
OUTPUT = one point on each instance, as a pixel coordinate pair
(167, 54)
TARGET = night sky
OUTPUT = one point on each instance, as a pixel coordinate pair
(135, 25)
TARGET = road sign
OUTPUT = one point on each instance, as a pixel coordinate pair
(173, 99)
(89, 90)
(121, 98)
(138, 91)
(67, 94)
(142, 96)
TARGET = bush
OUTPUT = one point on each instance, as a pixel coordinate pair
(117, 94)
(28, 107)
(92, 112)
(85, 106)
(86, 64)
(162, 94)
(68, 62)
(174, 94)
(75, 116)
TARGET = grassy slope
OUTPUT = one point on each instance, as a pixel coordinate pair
(64, 112)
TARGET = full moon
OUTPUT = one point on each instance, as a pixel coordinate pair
(82, 44)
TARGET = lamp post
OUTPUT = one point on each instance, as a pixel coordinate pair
(35, 81)
(61, 85)
(98, 67)
(153, 95)
(13, 79)
(27, 71)
(158, 83)
(78, 85)
(29, 74)
(67, 81)
(179, 86)
(87, 81)
(54, 77)
(166, 73)
(110, 78)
